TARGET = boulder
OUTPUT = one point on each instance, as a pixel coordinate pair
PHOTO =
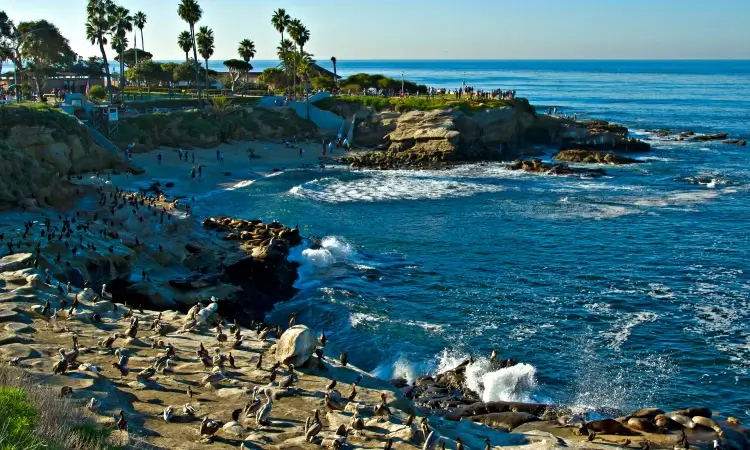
(709, 137)
(14, 262)
(735, 142)
(296, 346)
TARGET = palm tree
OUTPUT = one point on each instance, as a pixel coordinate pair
(335, 76)
(304, 66)
(139, 21)
(191, 12)
(285, 47)
(121, 23)
(280, 20)
(205, 40)
(246, 51)
(120, 44)
(295, 29)
(97, 28)
(185, 41)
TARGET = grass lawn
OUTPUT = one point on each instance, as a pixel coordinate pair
(422, 103)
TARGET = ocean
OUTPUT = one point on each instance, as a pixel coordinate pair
(627, 291)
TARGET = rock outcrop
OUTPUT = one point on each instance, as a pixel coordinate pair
(296, 346)
(594, 157)
(436, 138)
(736, 142)
(537, 166)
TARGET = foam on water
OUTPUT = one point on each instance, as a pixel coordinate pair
(622, 328)
(332, 250)
(396, 185)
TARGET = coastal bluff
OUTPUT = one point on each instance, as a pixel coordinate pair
(39, 148)
(434, 138)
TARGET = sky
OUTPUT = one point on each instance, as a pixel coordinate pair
(439, 29)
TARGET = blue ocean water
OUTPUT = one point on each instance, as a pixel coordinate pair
(627, 291)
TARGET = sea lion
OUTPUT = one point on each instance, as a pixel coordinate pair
(646, 413)
(608, 426)
(505, 420)
(692, 412)
(641, 424)
(708, 423)
(685, 421)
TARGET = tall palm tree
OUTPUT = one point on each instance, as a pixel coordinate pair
(185, 42)
(246, 50)
(121, 23)
(285, 48)
(120, 44)
(280, 20)
(335, 76)
(190, 11)
(98, 27)
(139, 21)
(205, 40)
(304, 67)
(295, 29)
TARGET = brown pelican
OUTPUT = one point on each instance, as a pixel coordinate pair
(168, 413)
(146, 373)
(93, 404)
(313, 425)
(287, 381)
(382, 409)
(260, 361)
(252, 407)
(264, 412)
(292, 319)
(357, 424)
(209, 428)
(188, 409)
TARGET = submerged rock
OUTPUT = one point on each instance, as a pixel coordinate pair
(537, 166)
(594, 157)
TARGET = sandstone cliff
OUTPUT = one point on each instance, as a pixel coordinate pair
(422, 139)
(39, 146)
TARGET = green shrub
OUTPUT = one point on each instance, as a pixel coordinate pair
(97, 93)
(18, 416)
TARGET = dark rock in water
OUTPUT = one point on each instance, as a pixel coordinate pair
(594, 157)
(537, 166)
(169, 185)
(399, 383)
(505, 420)
(193, 248)
(735, 142)
(687, 133)
(710, 137)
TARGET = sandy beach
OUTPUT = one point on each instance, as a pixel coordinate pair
(237, 166)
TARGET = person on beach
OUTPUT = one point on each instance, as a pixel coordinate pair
(330, 148)
(158, 158)
(200, 171)
(221, 156)
(192, 174)
(301, 151)
(193, 156)
(217, 155)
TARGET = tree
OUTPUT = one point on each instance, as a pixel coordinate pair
(168, 70)
(284, 50)
(191, 12)
(246, 50)
(44, 49)
(7, 39)
(322, 83)
(205, 41)
(280, 20)
(98, 27)
(146, 71)
(237, 68)
(97, 93)
(139, 21)
(273, 77)
(303, 72)
(186, 71)
(185, 42)
(335, 75)
(129, 58)
(121, 24)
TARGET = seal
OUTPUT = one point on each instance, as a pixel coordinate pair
(685, 421)
(646, 413)
(642, 424)
(608, 426)
(708, 423)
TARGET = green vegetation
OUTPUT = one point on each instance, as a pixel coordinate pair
(361, 81)
(180, 103)
(97, 93)
(205, 129)
(422, 103)
(37, 417)
(44, 115)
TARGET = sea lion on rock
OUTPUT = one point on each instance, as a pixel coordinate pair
(646, 413)
(663, 421)
(609, 426)
(708, 423)
(642, 424)
(505, 420)
(685, 421)
(692, 412)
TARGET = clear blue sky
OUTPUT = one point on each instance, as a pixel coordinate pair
(441, 29)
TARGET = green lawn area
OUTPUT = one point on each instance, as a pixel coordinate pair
(422, 103)
(40, 114)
